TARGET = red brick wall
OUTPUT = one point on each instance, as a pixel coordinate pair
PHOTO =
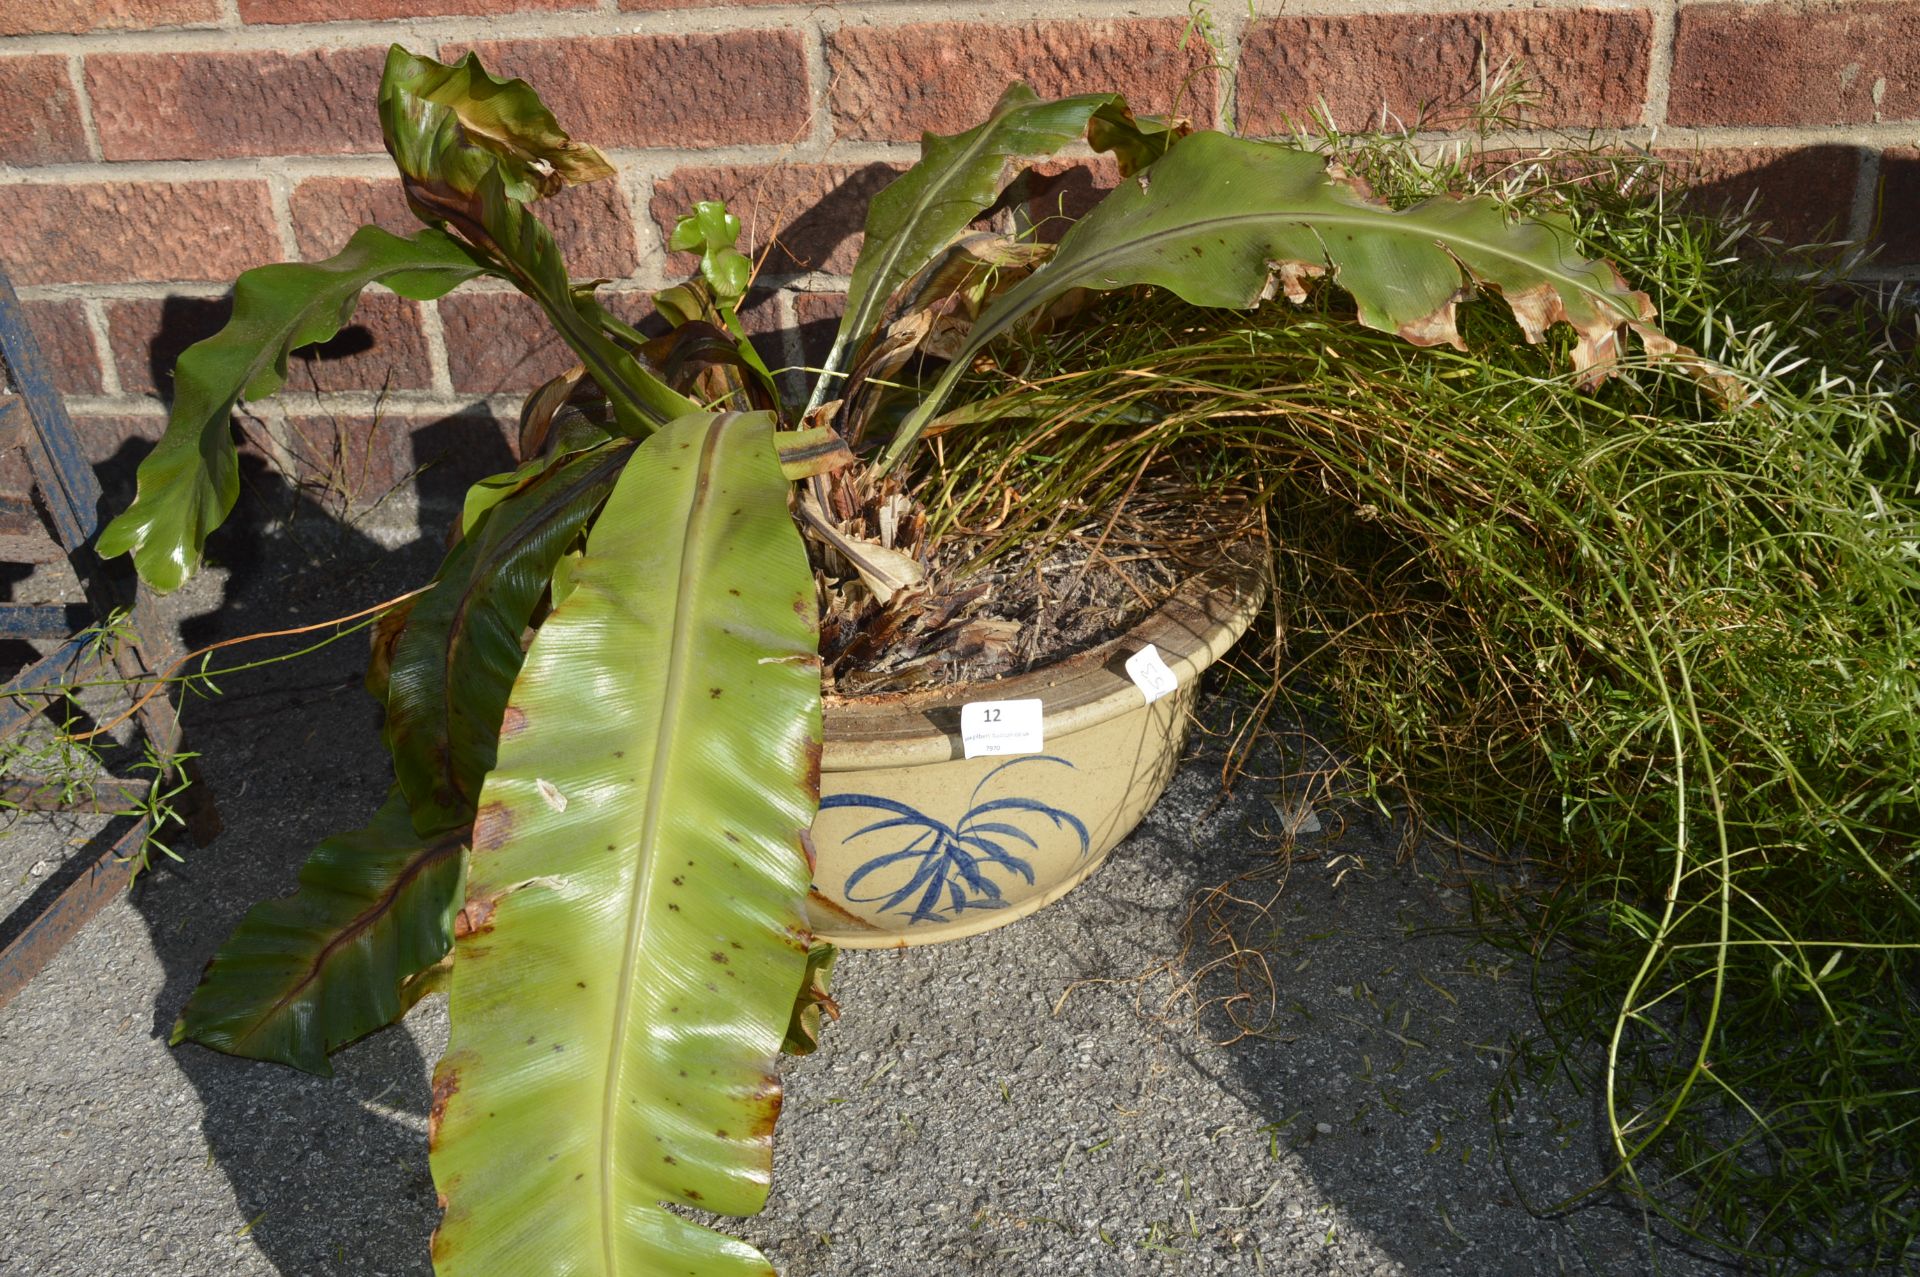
(151, 149)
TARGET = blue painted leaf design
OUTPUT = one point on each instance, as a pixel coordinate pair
(953, 866)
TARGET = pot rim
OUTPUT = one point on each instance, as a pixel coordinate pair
(1203, 617)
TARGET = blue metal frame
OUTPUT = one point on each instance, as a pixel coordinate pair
(70, 494)
(42, 620)
(53, 449)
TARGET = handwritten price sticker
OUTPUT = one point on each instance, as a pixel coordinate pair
(1150, 674)
(988, 728)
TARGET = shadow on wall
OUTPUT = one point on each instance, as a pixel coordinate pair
(1805, 194)
(181, 321)
(807, 229)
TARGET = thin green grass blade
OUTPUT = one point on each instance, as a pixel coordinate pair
(637, 885)
(1662, 640)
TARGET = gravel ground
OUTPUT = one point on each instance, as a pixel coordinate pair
(1025, 1102)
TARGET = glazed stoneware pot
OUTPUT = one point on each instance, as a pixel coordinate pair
(916, 842)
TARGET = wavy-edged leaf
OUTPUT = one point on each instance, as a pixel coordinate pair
(339, 958)
(512, 235)
(699, 300)
(189, 481)
(639, 870)
(450, 675)
(448, 124)
(912, 220)
(1219, 220)
(704, 361)
(473, 153)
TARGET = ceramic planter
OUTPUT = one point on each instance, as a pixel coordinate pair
(916, 843)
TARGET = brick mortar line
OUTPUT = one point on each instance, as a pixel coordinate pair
(280, 201)
(1682, 136)
(83, 102)
(230, 14)
(301, 37)
(792, 355)
(1660, 63)
(641, 281)
(248, 168)
(434, 333)
(648, 235)
(304, 37)
(95, 311)
(819, 83)
(425, 404)
(662, 161)
(201, 290)
(1866, 187)
(132, 291)
(636, 183)
(377, 164)
(1233, 32)
(83, 406)
(147, 290)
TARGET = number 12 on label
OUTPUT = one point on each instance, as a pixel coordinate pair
(1002, 727)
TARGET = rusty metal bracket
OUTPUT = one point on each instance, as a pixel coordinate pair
(70, 500)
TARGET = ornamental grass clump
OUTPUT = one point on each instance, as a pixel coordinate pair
(1662, 634)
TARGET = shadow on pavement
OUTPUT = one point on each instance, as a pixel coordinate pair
(1371, 1026)
(332, 1172)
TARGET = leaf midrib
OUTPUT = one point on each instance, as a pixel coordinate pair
(672, 694)
(860, 314)
(483, 578)
(897, 249)
(1378, 219)
(430, 854)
